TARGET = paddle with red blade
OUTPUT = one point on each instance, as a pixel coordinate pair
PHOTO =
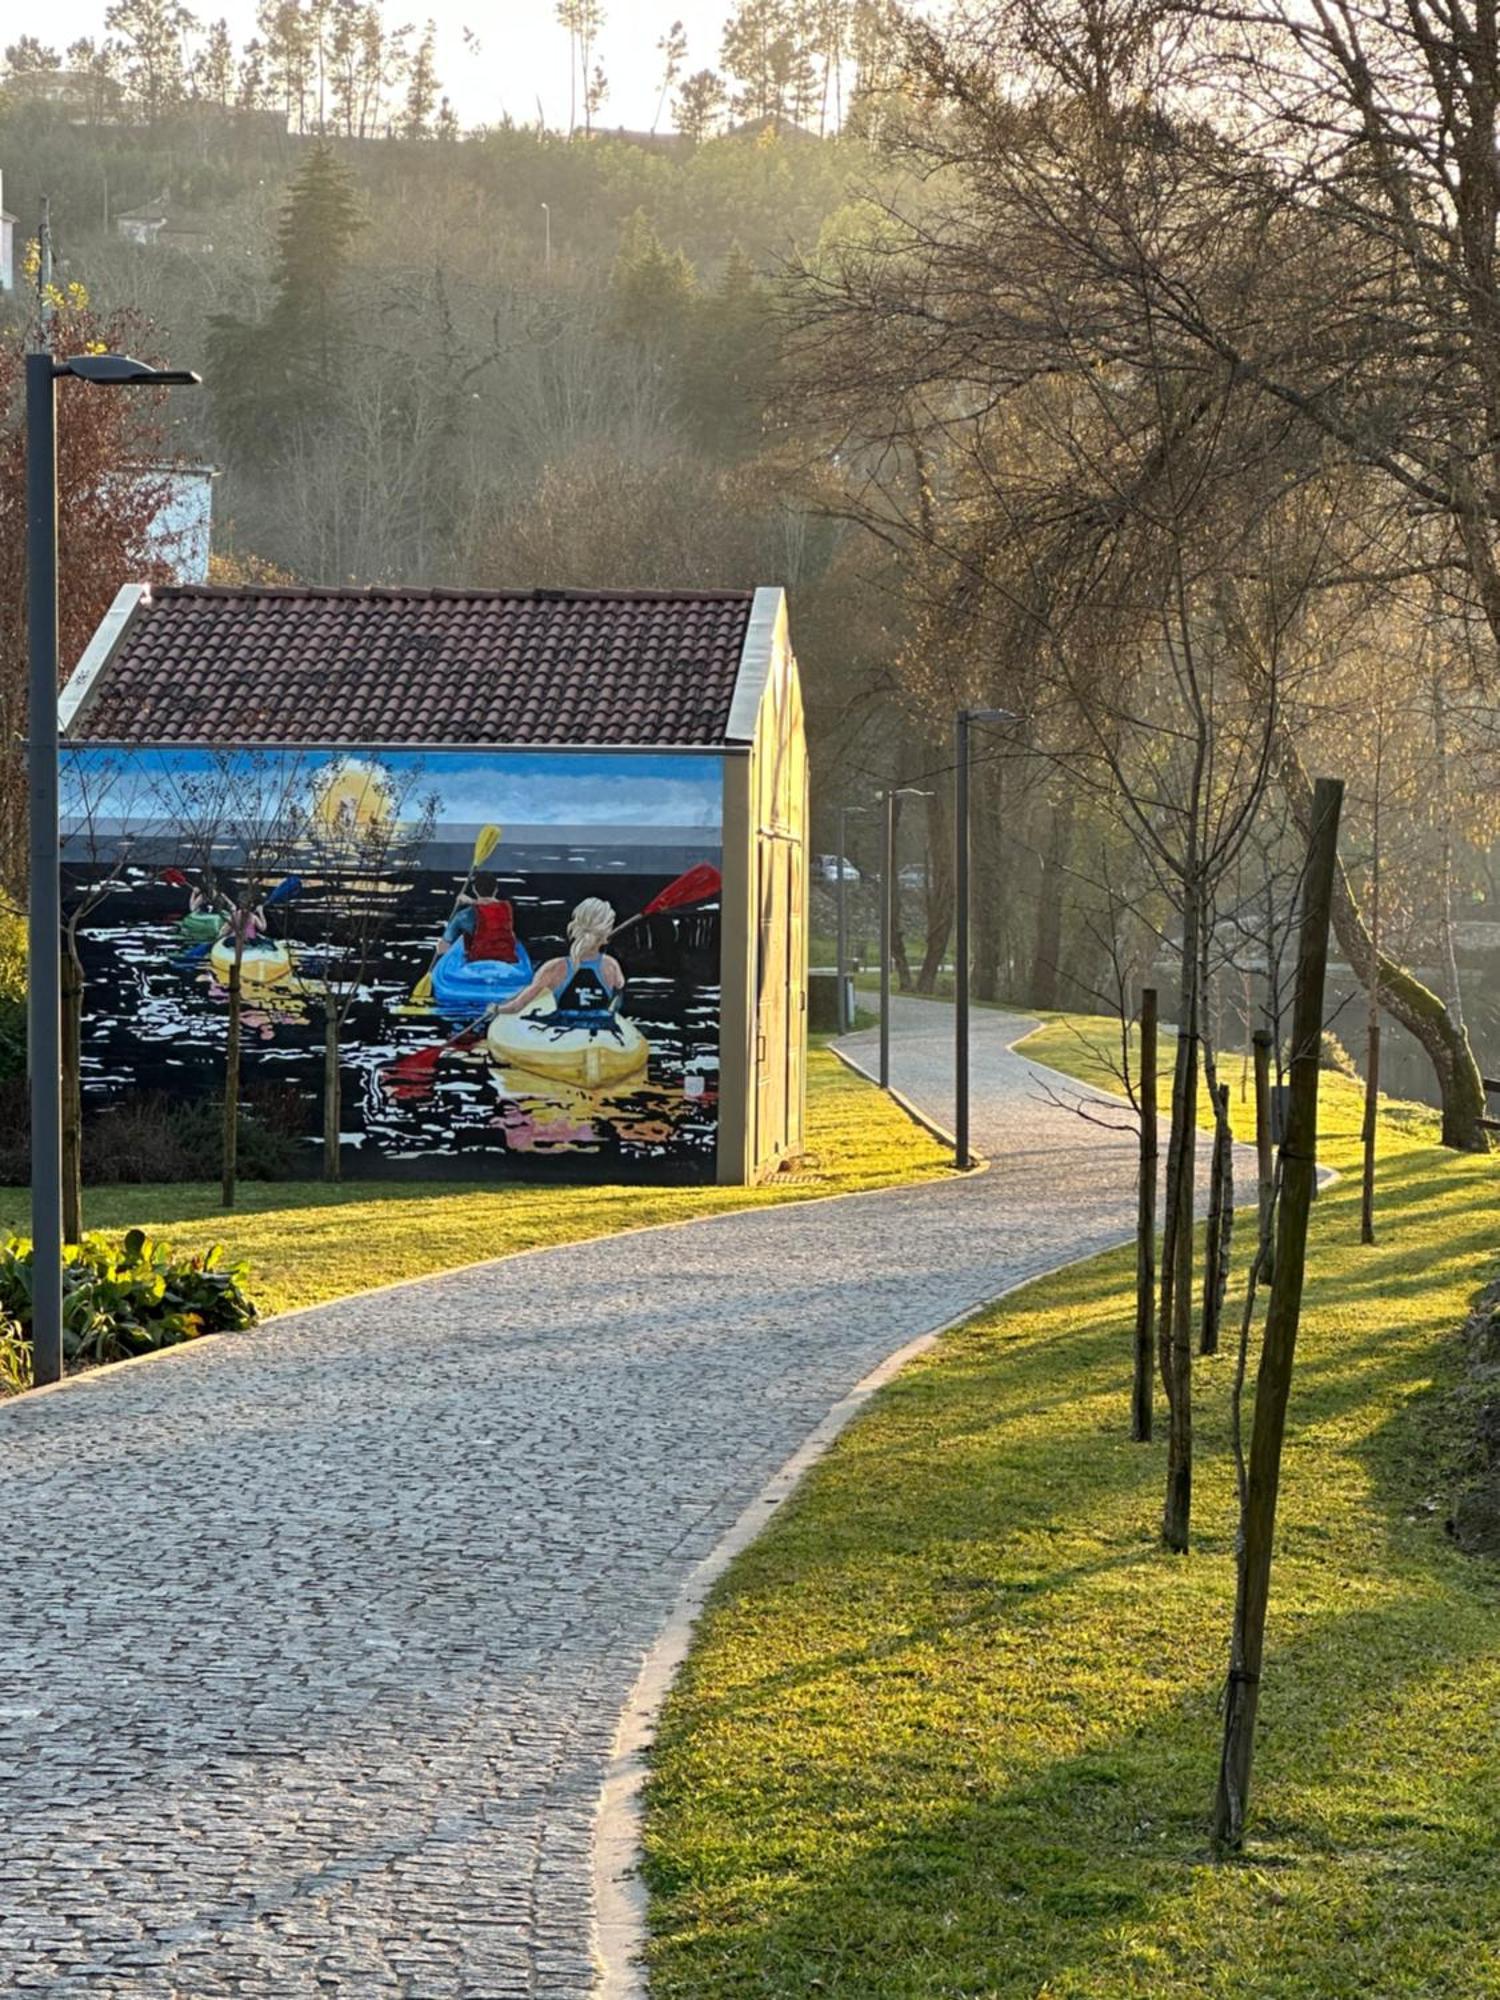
(697, 885)
(420, 1067)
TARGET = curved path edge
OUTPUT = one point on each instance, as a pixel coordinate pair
(620, 1928)
(620, 1899)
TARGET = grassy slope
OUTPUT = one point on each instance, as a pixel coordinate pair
(949, 1728)
(308, 1242)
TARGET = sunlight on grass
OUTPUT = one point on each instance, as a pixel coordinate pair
(307, 1242)
(950, 1726)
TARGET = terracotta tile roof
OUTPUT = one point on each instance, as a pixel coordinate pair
(212, 665)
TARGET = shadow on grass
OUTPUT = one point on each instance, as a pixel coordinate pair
(951, 1726)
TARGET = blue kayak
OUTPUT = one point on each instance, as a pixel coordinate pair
(464, 988)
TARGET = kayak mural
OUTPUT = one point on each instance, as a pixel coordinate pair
(510, 958)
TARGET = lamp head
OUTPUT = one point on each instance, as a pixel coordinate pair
(124, 371)
(989, 715)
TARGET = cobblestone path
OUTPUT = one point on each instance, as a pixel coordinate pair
(313, 1640)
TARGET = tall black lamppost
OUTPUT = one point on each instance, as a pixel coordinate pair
(841, 1014)
(44, 914)
(963, 721)
(888, 893)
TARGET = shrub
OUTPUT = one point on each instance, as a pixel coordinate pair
(121, 1300)
(149, 1137)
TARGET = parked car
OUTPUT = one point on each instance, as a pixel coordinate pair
(826, 868)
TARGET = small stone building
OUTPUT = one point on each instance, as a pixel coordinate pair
(539, 855)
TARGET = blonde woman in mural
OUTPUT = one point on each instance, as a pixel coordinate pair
(585, 985)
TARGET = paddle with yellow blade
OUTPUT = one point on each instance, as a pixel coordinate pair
(484, 847)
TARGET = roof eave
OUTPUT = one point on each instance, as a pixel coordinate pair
(764, 635)
(73, 702)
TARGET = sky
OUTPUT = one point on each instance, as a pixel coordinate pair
(522, 54)
(571, 789)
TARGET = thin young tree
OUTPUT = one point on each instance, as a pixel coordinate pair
(1260, 1482)
(358, 841)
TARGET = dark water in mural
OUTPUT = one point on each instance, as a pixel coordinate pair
(153, 1025)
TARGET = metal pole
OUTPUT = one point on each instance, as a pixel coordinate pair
(961, 940)
(841, 1014)
(887, 933)
(44, 915)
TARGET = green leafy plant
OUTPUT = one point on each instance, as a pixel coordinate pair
(121, 1299)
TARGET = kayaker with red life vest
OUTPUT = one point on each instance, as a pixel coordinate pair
(486, 926)
(586, 984)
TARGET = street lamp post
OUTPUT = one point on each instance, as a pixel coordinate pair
(841, 1012)
(547, 225)
(44, 902)
(888, 918)
(963, 722)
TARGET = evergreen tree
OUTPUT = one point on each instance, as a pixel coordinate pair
(729, 362)
(651, 287)
(673, 51)
(28, 55)
(153, 34)
(699, 105)
(276, 377)
(421, 85)
(213, 71)
(766, 47)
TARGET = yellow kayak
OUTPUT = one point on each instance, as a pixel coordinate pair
(261, 964)
(589, 1057)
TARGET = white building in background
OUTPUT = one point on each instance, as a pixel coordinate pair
(182, 533)
(7, 244)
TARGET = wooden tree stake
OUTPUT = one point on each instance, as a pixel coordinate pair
(1145, 1228)
(1278, 1349)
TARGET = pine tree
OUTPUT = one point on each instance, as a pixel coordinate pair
(651, 287)
(213, 67)
(421, 85)
(276, 377)
(152, 34)
(766, 47)
(699, 104)
(28, 55)
(672, 49)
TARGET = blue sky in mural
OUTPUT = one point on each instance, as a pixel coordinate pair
(543, 788)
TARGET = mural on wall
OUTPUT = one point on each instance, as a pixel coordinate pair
(510, 958)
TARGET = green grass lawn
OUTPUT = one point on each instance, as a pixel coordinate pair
(949, 1728)
(308, 1242)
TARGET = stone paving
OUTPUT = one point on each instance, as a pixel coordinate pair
(313, 1640)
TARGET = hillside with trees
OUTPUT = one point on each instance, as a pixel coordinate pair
(828, 324)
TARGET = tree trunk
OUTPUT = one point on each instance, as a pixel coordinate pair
(1372, 1020)
(72, 1096)
(232, 1083)
(1279, 1346)
(1445, 880)
(1176, 1324)
(1047, 953)
(332, 1097)
(1265, 1154)
(988, 874)
(1402, 995)
(1220, 1224)
(899, 959)
(939, 892)
(1145, 1228)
